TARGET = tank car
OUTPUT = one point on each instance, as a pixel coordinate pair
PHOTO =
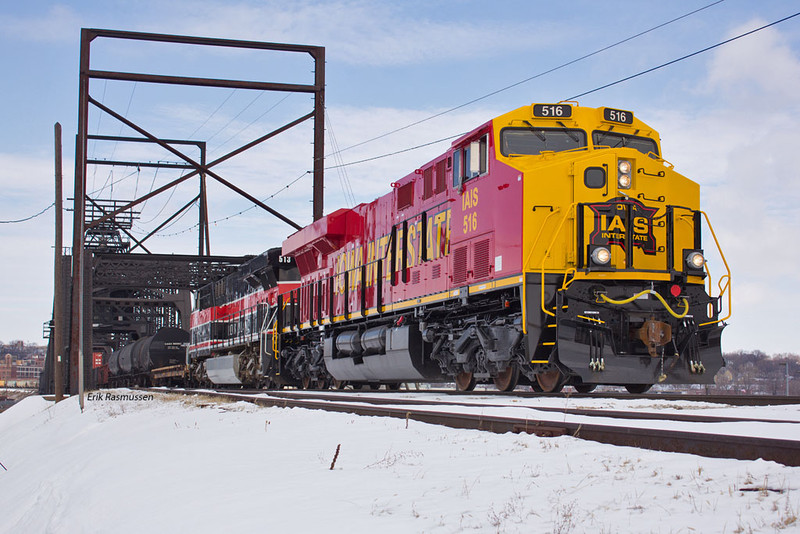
(551, 245)
(134, 363)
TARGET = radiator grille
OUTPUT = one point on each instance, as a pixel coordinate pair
(460, 265)
(480, 259)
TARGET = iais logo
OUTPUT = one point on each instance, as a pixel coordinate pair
(611, 221)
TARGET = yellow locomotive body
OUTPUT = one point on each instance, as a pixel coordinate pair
(613, 262)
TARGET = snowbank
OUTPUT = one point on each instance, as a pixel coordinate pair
(177, 464)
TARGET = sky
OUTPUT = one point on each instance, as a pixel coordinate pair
(727, 118)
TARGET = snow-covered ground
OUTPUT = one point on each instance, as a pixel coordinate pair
(190, 464)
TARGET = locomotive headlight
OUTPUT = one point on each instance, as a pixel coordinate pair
(601, 255)
(624, 178)
(695, 260)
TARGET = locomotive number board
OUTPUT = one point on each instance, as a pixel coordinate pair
(550, 111)
(618, 115)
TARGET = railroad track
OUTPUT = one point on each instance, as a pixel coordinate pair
(585, 412)
(456, 414)
(734, 400)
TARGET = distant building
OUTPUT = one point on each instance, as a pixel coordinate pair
(21, 372)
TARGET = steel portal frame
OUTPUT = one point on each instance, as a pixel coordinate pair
(82, 319)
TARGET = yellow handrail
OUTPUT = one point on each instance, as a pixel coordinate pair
(547, 251)
(538, 236)
(568, 281)
(524, 270)
(727, 277)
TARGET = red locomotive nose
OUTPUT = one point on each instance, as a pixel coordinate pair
(675, 290)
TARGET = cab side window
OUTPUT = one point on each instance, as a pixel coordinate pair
(471, 161)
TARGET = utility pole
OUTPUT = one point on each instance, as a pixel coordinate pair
(787, 378)
(58, 306)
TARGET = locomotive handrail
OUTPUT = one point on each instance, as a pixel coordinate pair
(539, 235)
(525, 266)
(270, 323)
(547, 251)
(726, 277)
(568, 281)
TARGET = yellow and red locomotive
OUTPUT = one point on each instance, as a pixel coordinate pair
(552, 245)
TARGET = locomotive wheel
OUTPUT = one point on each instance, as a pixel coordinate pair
(374, 386)
(507, 380)
(306, 382)
(394, 386)
(322, 383)
(357, 385)
(338, 384)
(638, 389)
(551, 381)
(584, 388)
(465, 381)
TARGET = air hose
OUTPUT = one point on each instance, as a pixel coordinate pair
(605, 298)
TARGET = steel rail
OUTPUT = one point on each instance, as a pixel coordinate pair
(783, 451)
(734, 400)
(582, 412)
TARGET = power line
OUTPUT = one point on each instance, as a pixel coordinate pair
(98, 191)
(287, 186)
(29, 218)
(259, 95)
(641, 73)
(563, 65)
(397, 152)
(273, 195)
(212, 114)
(182, 215)
(253, 121)
(97, 131)
(337, 151)
(152, 184)
(121, 126)
(344, 181)
(171, 194)
(687, 56)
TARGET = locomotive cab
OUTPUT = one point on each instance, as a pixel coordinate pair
(614, 268)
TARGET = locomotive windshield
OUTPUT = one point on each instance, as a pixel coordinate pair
(532, 141)
(616, 140)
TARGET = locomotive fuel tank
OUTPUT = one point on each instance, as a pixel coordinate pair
(396, 354)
